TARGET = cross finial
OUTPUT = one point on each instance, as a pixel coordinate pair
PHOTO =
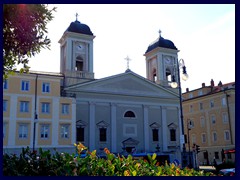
(76, 16)
(127, 59)
(159, 32)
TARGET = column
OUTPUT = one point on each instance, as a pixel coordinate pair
(164, 129)
(146, 127)
(55, 121)
(113, 127)
(12, 121)
(92, 124)
(74, 121)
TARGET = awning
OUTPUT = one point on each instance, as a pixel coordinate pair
(229, 151)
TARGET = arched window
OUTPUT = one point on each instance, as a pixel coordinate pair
(79, 63)
(129, 114)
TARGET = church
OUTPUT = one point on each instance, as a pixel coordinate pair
(126, 113)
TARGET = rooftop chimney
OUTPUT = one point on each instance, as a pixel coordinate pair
(187, 89)
(212, 82)
(220, 83)
(203, 84)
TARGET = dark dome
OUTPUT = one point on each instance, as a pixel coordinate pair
(161, 42)
(78, 27)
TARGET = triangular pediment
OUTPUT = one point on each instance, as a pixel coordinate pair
(127, 83)
(130, 141)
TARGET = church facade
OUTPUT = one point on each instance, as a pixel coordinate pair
(126, 113)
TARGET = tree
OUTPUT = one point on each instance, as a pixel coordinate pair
(24, 34)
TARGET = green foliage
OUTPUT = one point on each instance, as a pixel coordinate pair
(44, 163)
(24, 29)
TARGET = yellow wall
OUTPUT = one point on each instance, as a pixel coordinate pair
(24, 114)
(47, 141)
(64, 141)
(45, 115)
(24, 142)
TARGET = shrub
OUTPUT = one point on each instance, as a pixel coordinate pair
(63, 164)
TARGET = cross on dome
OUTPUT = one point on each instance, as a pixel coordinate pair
(127, 59)
(76, 16)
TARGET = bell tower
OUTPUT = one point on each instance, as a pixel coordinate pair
(161, 59)
(76, 53)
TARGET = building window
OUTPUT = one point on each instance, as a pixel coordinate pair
(46, 108)
(129, 114)
(224, 103)
(190, 95)
(65, 108)
(23, 131)
(200, 92)
(5, 84)
(203, 138)
(4, 105)
(172, 135)
(200, 106)
(191, 124)
(202, 122)
(191, 108)
(213, 119)
(103, 134)
(224, 117)
(25, 86)
(24, 106)
(216, 155)
(211, 103)
(80, 134)
(205, 155)
(45, 87)
(44, 131)
(155, 134)
(4, 129)
(65, 131)
(214, 134)
(226, 135)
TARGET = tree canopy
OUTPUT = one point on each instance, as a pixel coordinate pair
(24, 34)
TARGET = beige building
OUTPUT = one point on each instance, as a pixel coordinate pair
(35, 97)
(209, 114)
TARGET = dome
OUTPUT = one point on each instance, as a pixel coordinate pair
(161, 42)
(78, 27)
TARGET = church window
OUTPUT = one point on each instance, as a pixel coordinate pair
(80, 134)
(172, 134)
(103, 134)
(155, 134)
(129, 114)
(168, 75)
(79, 63)
(154, 75)
(80, 126)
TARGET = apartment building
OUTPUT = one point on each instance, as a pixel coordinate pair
(36, 115)
(209, 119)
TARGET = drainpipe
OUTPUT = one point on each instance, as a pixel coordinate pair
(35, 114)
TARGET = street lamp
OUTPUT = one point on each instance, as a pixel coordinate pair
(189, 124)
(174, 84)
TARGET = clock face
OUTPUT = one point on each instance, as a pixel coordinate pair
(79, 47)
(168, 60)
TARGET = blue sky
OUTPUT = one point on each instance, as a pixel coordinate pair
(204, 34)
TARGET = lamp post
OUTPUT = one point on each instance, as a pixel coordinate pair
(189, 154)
(174, 84)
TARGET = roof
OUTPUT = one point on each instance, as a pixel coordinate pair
(161, 42)
(78, 27)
